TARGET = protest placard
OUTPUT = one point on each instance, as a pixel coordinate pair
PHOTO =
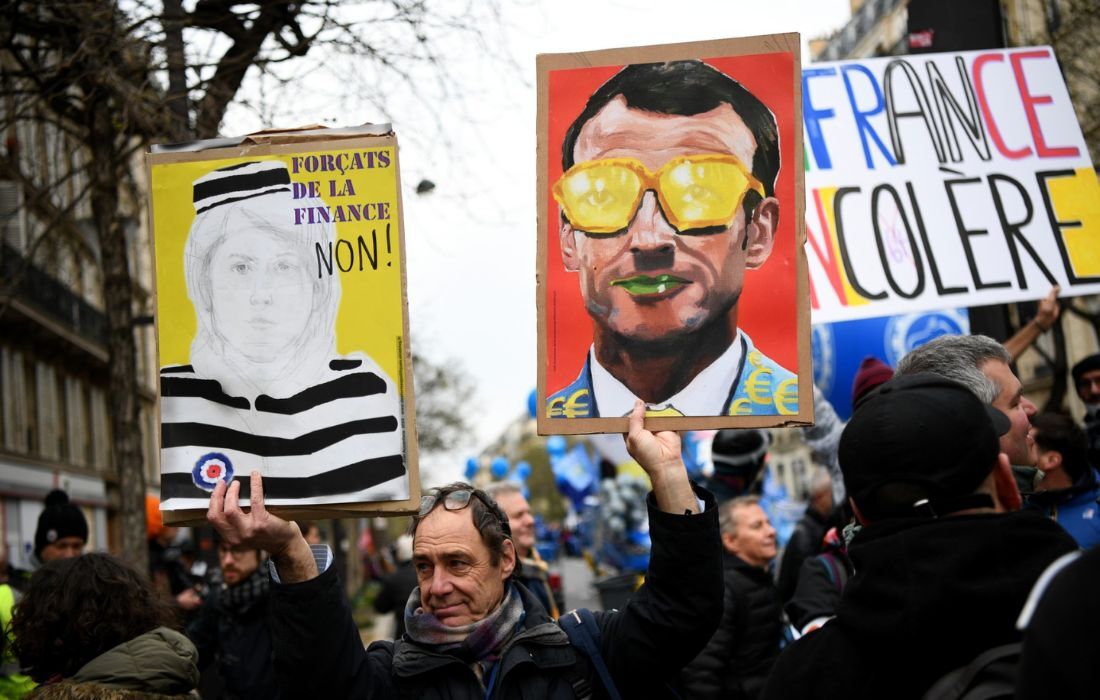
(670, 252)
(945, 180)
(281, 322)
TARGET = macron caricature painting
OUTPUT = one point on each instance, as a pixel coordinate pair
(671, 265)
(281, 327)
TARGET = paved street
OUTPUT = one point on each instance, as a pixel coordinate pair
(577, 582)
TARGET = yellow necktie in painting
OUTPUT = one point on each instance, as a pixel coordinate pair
(668, 411)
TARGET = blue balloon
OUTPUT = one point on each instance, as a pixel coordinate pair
(522, 471)
(499, 467)
(555, 445)
(472, 468)
(533, 403)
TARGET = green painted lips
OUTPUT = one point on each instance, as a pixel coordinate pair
(643, 285)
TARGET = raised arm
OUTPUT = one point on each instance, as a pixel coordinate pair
(261, 530)
(1043, 321)
(659, 455)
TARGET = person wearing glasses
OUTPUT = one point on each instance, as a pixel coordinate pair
(232, 630)
(667, 198)
(472, 631)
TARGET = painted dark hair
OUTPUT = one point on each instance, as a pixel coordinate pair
(687, 88)
(76, 609)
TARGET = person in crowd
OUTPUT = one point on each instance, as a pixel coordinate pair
(93, 627)
(821, 582)
(806, 538)
(943, 567)
(312, 532)
(166, 568)
(13, 684)
(981, 364)
(738, 456)
(472, 631)
(1086, 379)
(62, 532)
(1070, 488)
(398, 585)
(1059, 621)
(232, 629)
(535, 572)
(736, 661)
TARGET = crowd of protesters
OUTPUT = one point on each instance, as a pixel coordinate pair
(952, 558)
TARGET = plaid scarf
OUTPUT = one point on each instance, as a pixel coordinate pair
(240, 598)
(480, 641)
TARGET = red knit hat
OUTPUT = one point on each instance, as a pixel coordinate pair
(872, 372)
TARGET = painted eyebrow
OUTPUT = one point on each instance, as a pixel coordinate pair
(240, 256)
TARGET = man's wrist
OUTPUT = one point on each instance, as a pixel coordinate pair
(295, 562)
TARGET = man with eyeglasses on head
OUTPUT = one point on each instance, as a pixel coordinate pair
(667, 198)
(472, 630)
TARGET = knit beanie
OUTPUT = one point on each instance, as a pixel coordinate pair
(59, 519)
(872, 372)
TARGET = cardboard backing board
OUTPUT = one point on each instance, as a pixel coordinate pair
(669, 307)
(281, 323)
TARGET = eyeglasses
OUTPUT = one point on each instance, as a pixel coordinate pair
(459, 499)
(602, 196)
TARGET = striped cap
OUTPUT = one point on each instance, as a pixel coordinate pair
(239, 182)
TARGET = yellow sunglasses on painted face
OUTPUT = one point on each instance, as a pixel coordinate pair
(602, 196)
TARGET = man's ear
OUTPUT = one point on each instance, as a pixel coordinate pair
(1049, 461)
(569, 256)
(760, 233)
(1004, 484)
(508, 559)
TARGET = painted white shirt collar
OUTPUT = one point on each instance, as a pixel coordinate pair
(705, 396)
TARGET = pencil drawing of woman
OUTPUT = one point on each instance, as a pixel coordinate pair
(265, 388)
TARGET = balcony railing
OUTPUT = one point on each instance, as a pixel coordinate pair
(862, 22)
(30, 284)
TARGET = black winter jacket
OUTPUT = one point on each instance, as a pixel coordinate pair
(804, 543)
(239, 641)
(927, 597)
(736, 661)
(319, 654)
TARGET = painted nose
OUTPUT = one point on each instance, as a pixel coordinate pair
(649, 230)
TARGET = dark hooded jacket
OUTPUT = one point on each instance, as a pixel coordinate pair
(927, 597)
(736, 661)
(319, 654)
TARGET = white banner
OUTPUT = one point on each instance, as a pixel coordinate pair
(945, 180)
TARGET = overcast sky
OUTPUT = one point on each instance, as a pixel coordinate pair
(471, 243)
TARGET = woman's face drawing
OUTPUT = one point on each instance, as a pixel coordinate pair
(261, 294)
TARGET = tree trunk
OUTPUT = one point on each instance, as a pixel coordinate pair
(106, 174)
(176, 96)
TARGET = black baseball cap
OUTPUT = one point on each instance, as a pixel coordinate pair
(920, 444)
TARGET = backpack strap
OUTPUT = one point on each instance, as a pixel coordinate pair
(992, 674)
(580, 627)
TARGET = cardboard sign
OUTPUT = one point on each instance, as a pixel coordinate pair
(281, 322)
(671, 263)
(945, 180)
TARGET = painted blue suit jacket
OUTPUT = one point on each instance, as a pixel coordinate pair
(762, 388)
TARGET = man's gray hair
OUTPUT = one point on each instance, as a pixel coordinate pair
(959, 358)
(502, 488)
(726, 522)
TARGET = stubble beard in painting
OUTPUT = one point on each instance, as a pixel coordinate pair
(673, 332)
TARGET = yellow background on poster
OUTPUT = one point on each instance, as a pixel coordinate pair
(369, 319)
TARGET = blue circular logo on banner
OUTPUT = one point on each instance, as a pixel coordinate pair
(210, 469)
(903, 333)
